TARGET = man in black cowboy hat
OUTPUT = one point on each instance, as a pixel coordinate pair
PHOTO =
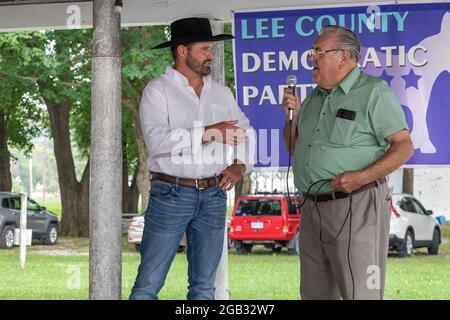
(199, 146)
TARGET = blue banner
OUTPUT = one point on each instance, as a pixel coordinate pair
(407, 45)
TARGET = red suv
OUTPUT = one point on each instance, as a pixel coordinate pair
(267, 219)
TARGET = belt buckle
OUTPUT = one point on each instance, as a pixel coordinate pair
(196, 185)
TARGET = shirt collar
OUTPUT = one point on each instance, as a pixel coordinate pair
(350, 80)
(174, 74)
(181, 79)
(345, 84)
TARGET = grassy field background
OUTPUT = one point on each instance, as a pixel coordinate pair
(62, 272)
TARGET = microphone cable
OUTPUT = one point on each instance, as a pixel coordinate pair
(349, 211)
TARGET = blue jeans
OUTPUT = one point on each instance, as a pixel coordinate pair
(172, 211)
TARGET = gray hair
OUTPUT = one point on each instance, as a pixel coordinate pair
(346, 38)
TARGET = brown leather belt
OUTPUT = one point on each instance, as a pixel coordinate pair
(196, 183)
(340, 195)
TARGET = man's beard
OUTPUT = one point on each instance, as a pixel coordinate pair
(201, 68)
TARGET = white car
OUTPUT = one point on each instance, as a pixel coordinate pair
(136, 230)
(412, 226)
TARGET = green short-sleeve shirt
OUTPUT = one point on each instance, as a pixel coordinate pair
(328, 145)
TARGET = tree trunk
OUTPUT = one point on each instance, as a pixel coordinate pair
(143, 176)
(5, 170)
(74, 194)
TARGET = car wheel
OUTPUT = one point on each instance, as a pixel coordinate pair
(245, 248)
(7, 239)
(407, 248)
(137, 246)
(434, 248)
(51, 237)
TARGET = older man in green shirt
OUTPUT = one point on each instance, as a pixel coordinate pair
(346, 137)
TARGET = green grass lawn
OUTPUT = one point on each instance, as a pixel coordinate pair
(62, 272)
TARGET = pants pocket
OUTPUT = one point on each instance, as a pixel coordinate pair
(161, 189)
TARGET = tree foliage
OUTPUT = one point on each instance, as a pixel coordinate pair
(19, 103)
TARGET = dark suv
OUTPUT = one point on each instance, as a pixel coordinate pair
(43, 223)
(268, 219)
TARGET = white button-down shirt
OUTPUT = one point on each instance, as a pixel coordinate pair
(173, 118)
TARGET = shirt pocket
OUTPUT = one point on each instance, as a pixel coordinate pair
(220, 112)
(342, 131)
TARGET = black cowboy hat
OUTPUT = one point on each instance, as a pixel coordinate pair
(190, 30)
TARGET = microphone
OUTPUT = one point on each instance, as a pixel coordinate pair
(291, 82)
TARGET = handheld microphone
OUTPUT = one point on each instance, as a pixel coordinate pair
(291, 82)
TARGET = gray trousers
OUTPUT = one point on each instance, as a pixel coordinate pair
(325, 269)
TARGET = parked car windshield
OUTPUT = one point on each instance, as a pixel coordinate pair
(419, 208)
(259, 207)
(32, 205)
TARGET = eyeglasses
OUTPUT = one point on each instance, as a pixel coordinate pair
(314, 53)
